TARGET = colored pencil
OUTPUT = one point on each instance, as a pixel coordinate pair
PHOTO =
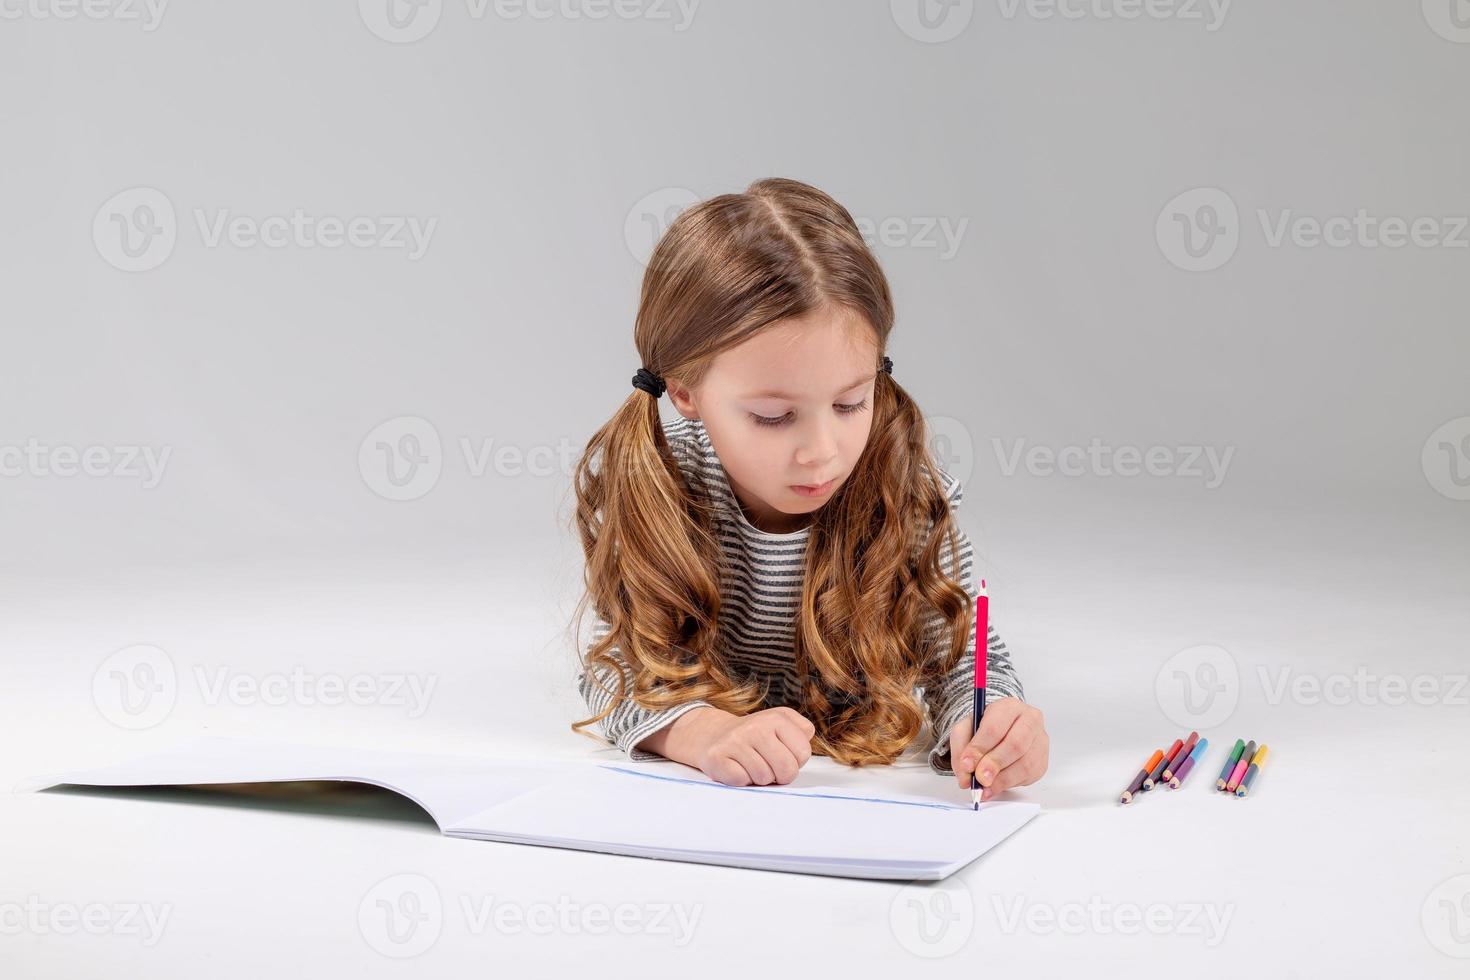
(982, 655)
(1250, 773)
(1188, 763)
(1230, 763)
(1133, 787)
(1157, 772)
(1240, 767)
(1180, 756)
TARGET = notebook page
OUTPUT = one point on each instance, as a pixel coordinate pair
(448, 787)
(653, 814)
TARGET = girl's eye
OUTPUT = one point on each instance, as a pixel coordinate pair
(782, 420)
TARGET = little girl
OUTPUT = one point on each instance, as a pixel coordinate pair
(778, 571)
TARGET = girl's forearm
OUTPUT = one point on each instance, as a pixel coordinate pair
(684, 739)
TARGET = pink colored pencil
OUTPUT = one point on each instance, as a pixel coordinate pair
(1241, 767)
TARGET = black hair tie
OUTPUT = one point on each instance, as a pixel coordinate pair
(647, 381)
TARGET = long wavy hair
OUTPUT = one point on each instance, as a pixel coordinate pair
(874, 596)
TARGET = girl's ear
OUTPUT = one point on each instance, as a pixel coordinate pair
(682, 399)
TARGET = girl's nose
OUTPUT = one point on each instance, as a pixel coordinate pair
(819, 449)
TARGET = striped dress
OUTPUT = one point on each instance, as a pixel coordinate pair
(761, 594)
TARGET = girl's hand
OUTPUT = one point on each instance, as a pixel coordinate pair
(763, 747)
(1010, 749)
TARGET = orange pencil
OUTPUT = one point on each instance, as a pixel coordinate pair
(1157, 772)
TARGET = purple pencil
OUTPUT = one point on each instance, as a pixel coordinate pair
(1188, 764)
(1172, 766)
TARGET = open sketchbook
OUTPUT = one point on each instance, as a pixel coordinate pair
(612, 808)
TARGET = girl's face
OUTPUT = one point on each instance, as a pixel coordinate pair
(789, 408)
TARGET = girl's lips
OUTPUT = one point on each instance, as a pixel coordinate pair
(816, 491)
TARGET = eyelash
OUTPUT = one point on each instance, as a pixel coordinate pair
(841, 409)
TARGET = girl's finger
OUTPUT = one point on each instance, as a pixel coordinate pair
(994, 725)
(747, 756)
(998, 718)
(796, 741)
(1024, 771)
(1016, 744)
(778, 757)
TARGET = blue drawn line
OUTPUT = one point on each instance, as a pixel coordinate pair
(787, 792)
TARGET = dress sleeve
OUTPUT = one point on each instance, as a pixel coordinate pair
(950, 702)
(629, 723)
